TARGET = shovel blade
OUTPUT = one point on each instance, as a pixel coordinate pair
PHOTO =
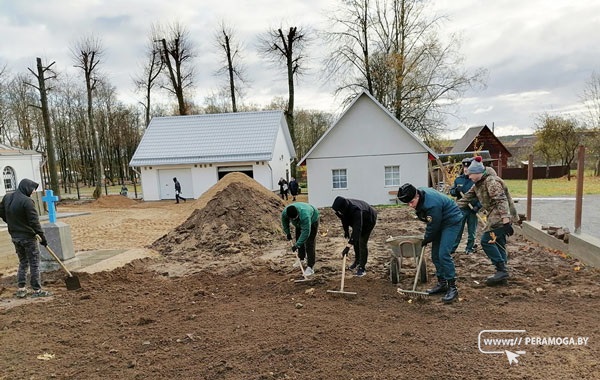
(72, 283)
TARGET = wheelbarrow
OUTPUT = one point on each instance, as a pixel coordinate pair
(405, 247)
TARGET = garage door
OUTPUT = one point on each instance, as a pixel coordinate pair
(167, 186)
(224, 170)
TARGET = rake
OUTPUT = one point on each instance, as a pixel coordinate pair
(304, 278)
(414, 291)
(342, 291)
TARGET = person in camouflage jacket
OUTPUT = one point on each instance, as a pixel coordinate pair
(495, 198)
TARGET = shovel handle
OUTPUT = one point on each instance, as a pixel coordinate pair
(57, 259)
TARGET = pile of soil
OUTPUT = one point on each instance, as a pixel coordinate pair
(237, 216)
(113, 201)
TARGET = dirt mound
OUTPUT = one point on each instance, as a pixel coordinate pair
(236, 216)
(113, 201)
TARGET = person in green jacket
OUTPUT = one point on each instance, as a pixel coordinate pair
(305, 218)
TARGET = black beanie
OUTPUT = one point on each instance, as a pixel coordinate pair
(406, 193)
(292, 212)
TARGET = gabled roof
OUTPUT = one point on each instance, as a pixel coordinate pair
(211, 138)
(400, 124)
(464, 142)
(7, 150)
(482, 131)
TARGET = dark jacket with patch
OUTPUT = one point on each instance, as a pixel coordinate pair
(437, 210)
(356, 214)
(18, 210)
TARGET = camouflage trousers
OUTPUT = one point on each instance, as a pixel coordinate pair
(29, 258)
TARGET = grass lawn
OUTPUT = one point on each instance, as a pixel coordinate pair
(553, 187)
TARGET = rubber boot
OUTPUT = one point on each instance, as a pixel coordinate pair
(452, 292)
(499, 277)
(440, 287)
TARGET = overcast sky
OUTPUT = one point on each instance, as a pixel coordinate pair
(539, 53)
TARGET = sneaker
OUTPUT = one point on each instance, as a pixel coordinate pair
(297, 264)
(21, 293)
(468, 251)
(41, 293)
(308, 272)
(353, 266)
(361, 272)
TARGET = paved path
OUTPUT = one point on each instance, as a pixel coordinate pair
(560, 211)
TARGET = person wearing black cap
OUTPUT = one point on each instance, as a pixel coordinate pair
(305, 218)
(462, 184)
(443, 218)
(491, 191)
(362, 218)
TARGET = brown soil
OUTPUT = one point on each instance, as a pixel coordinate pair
(221, 303)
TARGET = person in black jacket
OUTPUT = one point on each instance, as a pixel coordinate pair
(294, 187)
(362, 218)
(177, 191)
(18, 211)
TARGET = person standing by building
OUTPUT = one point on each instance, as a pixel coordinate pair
(461, 185)
(283, 188)
(18, 211)
(495, 198)
(305, 219)
(177, 191)
(443, 218)
(362, 218)
(294, 187)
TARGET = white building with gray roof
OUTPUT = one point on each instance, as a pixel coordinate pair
(200, 149)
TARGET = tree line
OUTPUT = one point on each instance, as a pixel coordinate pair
(390, 48)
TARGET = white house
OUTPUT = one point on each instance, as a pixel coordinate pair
(18, 164)
(366, 154)
(201, 149)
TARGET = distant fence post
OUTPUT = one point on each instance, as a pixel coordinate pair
(529, 188)
(579, 191)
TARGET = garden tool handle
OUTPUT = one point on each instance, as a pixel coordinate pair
(56, 258)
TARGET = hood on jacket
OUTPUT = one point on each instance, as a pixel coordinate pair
(340, 204)
(27, 186)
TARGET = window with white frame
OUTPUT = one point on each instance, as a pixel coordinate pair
(392, 175)
(10, 180)
(339, 178)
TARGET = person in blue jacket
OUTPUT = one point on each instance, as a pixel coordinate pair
(462, 184)
(305, 219)
(443, 218)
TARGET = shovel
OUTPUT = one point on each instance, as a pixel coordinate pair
(72, 282)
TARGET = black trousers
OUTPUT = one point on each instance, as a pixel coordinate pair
(361, 250)
(308, 250)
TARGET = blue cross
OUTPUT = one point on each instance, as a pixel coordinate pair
(50, 198)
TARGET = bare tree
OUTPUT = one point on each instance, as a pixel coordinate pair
(230, 61)
(87, 53)
(559, 137)
(41, 77)
(177, 55)
(391, 49)
(148, 77)
(287, 48)
(591, 100)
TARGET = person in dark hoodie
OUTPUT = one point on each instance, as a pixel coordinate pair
(18, 211)
(444, 219)
(362, 218)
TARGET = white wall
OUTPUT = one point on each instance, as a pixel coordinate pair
(281, 161)
(366, 177)
(25, 166)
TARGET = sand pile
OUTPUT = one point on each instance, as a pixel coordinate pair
(236, 216)
(113, 201)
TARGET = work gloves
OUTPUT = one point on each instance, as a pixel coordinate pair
(345, 251)
(289, 236)
(43, 241)
(508, 229)
(294, 248)
(475, 209)
(425, 242)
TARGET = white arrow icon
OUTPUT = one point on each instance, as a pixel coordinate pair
(512, 356)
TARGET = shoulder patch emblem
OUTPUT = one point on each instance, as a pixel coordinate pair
(429, 219)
